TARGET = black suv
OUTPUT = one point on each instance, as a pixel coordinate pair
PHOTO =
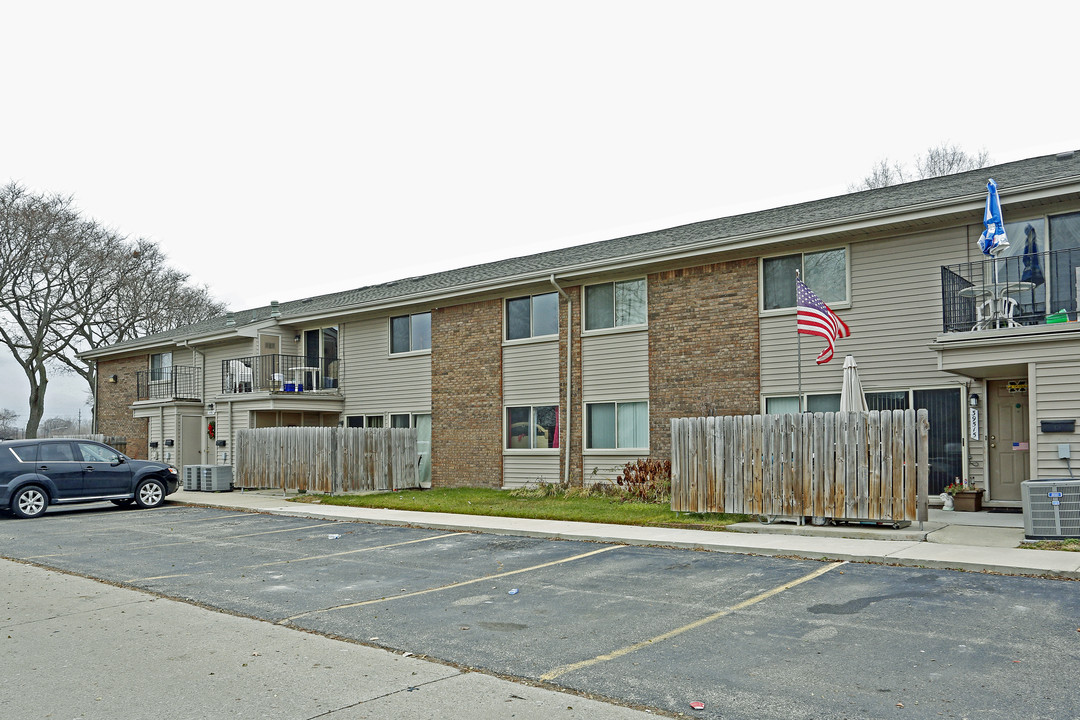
(35, 473)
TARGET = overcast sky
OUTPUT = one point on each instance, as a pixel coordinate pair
(277, 151)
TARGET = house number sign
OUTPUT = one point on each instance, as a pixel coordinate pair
(974, 423)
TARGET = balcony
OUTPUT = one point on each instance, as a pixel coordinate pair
(280, 374)
(170, 383)
(1011, 292)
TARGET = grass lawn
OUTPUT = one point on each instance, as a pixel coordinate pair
(1069, 544)
(483, 501)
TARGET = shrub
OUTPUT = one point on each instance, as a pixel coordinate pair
(646, 480)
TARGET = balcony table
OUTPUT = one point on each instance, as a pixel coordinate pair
(300, 373)
(1000, 306)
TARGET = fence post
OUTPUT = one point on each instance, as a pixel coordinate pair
(923, 423)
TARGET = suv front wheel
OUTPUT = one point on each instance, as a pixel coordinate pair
(29, 502)
(149, 494)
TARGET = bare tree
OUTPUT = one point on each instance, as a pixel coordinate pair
(945, 159)
(57, 426)
(68, 284)
(8, 419)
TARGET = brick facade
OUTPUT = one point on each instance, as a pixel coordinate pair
(704, 345)
(466, 395)
(575, 444)
(114, 400)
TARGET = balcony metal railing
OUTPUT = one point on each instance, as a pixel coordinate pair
(1023, 290)
(279, 373)
(178, 382)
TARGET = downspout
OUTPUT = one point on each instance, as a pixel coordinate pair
(569, 378)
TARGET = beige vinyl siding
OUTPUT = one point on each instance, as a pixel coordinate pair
(1057, 397)
(375, 382)
(895, 313)
(215, 356)
(530, 377)
(615, 366)
(520, 470)
(531, 373)
(1053, 346)
(605, 468)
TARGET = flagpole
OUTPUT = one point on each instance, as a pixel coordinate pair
(798, 342)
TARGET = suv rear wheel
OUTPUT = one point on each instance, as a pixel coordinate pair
(149, 494)
(29, 502)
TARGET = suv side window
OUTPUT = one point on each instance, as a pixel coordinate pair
(55, 452)
(97, 453)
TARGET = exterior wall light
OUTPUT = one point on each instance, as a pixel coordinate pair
(113, 378)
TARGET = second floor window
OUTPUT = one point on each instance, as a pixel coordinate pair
(161, 366)
(532, 316)
(410, 333)
(823, 272)
(616, 304)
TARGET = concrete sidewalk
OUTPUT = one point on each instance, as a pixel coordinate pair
(962, 541)
(75, 647)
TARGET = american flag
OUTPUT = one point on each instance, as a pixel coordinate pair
(816, 318)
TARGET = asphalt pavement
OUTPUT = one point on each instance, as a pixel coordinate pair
(122, 652)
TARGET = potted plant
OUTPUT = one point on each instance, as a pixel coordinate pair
(966, 497)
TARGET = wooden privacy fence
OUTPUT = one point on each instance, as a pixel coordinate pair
(326, 459)
(853, 466)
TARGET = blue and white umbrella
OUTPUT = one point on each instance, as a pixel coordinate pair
(993, 241)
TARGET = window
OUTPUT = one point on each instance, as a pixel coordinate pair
(161, 366)
(410, 333)
(532, 316)
(618, 425)
(400, 420)
(618, 304)
(823, 272)
(97, 453)
(373, 421)
(55, 452)
(354, 421)
(321, 351)
(534, 427)
(814, 404)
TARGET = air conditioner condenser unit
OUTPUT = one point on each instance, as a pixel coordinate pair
(1051, 509)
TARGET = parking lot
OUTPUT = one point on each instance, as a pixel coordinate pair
(751, 637)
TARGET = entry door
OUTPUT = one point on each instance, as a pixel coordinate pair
(1007, 437)
(104, 473)
(191, 434)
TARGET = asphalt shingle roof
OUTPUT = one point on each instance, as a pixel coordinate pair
(1047, 168)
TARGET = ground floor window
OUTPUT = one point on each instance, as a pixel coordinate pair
(617, 425)
(789, 404)
(532, 427)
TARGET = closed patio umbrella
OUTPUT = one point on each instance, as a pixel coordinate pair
(851, 392)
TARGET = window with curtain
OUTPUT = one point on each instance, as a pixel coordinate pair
(824, 272)
(616, 304)
(617, 425)
(532, 427)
